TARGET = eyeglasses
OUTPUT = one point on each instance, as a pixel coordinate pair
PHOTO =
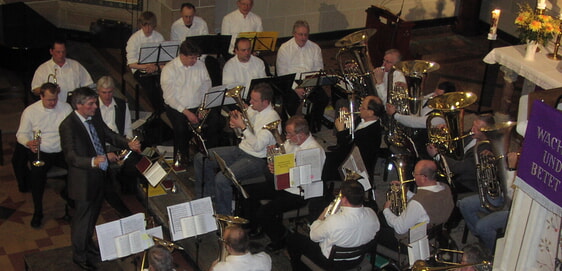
(414, 174)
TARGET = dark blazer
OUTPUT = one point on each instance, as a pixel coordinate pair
(368, 140)
(464, 170)
(84, 182)
(119, 114)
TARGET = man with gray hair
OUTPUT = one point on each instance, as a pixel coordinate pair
(160, 259)
(386, 77)
(114, 111)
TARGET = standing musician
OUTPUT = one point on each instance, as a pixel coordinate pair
(188, 25)
(354, 225)
(299, 55)
(244, 67)
(83, 141)
(386, 77)
(367, 139)
(185, 81)
(464, 170)
(45, 116)
(241, 20)
(269, 216)
(239, 257)
(145, 74)
(433, 204)
(67, 73)
(248, 159)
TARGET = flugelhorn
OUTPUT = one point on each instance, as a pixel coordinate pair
(334, 206)
(236, 94)
(38, 162)
(279, 147)
(224, 221)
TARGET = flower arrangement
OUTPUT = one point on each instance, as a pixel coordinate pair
(533, 26)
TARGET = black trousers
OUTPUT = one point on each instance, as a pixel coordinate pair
(38, 175)
(297, 245)
(151, 86)
(317, 97)
(82, 227)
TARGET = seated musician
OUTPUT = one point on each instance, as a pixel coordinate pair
(145, 74)
(240, 20)
(189, 24)
(433, 204)
(44, 115)
(386, 76)
(185, 81)
(464, 170)
(160, 259)
(299, 55)
(67, 73)
(244, 67)
(248, 159)
(269, 216)
(367, 138)
(239, 257)
(352, 226)
(482, 222)
(473, 254)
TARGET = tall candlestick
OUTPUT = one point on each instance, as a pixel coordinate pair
(492, 34)
(541, 6)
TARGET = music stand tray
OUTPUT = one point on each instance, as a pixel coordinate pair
(261, 41)
(321, 80)
(227, 172)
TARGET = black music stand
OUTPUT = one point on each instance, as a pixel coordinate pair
(158, 52)
(212, 44)
(227, 172)
(261, 41)
(280, 84)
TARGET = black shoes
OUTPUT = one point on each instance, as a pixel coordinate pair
(36, 221)
(85, 265)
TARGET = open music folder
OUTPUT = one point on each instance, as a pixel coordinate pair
(191, 218)
(301, 169)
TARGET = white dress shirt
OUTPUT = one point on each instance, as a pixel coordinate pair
(134, 44)
(309, 143)
(382, 92)
(413, 214)
(291, 58)
(247, 262)
(184, 87)
(419, 121)
(36, 117)
(255, 144)
(180, 31)
(235, 22)
(108, 116)
(350, 227)
(70, 76)
(241, 73)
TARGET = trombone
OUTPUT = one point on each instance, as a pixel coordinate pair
(421, 265)
(38, 162)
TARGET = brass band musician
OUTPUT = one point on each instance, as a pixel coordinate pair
(386, 77)
(239, 257)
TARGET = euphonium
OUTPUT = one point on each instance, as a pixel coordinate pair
(236, 93)
(38, 162)
(490, 169)
(334, 206)
(280, 143)
(224, 221)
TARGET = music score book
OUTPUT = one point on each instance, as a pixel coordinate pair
(126, 236)
(153, 172)
(418, 248)
(300, 169)
(191, 218)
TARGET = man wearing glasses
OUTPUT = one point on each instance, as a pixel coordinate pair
(184, 81)
(386, 76)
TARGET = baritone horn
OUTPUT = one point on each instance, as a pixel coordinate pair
(334, 207)
(224, 221)
(236, 94)
(38, 162)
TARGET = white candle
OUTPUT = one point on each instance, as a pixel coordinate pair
(492, 35)
(541, 4)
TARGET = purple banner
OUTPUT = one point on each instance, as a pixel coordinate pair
(540, 165)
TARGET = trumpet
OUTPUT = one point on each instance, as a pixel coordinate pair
(38, 162)
(348, 119)
(236, 93)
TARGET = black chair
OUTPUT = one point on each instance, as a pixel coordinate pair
(342, 258)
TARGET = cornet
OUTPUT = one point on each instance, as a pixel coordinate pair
(38, 162)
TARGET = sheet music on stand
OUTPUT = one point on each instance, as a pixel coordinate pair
(355, 162)
(227, 172)
(261, 41)
(156, 52)
(280, 84)
(215, 96)
(317, 78)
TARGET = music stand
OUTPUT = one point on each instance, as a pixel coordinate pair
(156, 52)
(212, 44)
(317, 79)
(261, 41)
(280, 84)
(227, 172)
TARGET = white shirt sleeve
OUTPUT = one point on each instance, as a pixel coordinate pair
(409, 218)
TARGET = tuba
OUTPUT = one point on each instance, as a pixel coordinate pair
(334, 206)
(279, 147)
(397, 192)
(354, 61)
(409, 100)
(235, 93)
(490, 168)
(224, 221)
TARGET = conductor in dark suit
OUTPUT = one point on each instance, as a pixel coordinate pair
(83, 141)
(368, 135)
